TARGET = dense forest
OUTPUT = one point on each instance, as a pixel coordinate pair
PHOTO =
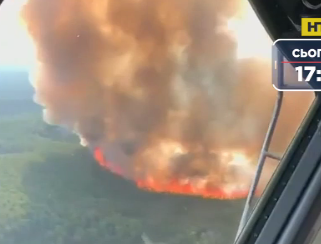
(53, 192)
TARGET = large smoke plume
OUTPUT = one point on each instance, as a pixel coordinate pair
(155, 84)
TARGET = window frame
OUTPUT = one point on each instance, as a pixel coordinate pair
(284, 196)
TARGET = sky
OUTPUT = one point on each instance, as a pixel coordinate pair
(16, 49)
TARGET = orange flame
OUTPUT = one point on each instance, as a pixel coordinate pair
(175, 186)
(99, 156)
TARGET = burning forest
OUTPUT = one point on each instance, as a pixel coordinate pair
(154, 88)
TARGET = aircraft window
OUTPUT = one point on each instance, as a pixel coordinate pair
(294, 107)
(170, 101)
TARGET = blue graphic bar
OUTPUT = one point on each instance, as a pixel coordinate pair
(296, 64)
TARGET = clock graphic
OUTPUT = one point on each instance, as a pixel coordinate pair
(311, 69)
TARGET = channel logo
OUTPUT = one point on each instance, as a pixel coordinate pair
(311, 27)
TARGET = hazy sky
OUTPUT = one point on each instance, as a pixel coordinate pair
(16, 48)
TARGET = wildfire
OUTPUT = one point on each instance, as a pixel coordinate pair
(161, 89)
(231, 185)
